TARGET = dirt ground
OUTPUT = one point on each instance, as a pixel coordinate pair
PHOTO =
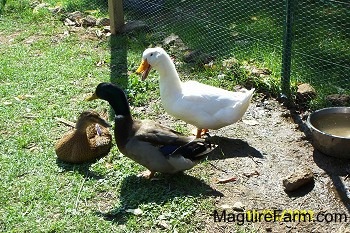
(260, 151)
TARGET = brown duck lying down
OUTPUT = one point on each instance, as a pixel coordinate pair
(88, 142)
(156, 147)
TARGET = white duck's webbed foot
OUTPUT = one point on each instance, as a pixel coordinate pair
(200, 132)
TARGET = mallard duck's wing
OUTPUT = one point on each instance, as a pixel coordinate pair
(148, 155)
(190, 154)
(159, 135)
(154, 158)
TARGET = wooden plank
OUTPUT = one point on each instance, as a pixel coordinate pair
(116, 15)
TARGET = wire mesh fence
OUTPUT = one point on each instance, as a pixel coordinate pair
(253, 30)
(321, 46)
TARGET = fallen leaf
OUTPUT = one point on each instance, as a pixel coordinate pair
(226, 180)
(7, 103)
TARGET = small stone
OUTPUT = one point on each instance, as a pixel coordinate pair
(197, 56)
(297, 179)
(134, 26)
(69, 22)
(55, 10)
(170, 39)
(229, 62)
(162, 224)
(250, 122)
(106, 29)
(89, 21)
(238, 206)
(221, 76)
(305, 92)
(102, 22)
(135, 211)
(225, 207)
(75, 16)
(99, 34)
(338, 99)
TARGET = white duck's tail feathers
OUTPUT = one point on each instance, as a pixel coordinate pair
(248, 93)
(251, 91)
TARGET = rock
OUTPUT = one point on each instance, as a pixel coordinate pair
(238, 206)
(256, 71)
(99, 34)
(228, 63)
(55, 10)
(75, 16)
(171, 39)
(69, 22)
(135, 211)
(102, 22)
(162, 224)
(107, 29)
(134, 26)
(297, 179)
(89, 21)
(338, 99)
(305, 92)
(225, 207)
(197, 56)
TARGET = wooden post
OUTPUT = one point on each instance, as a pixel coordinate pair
(116, 15)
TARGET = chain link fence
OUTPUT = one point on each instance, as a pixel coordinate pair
(254, 31)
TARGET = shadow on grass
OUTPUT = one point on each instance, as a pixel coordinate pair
(136, 191)
(119, 63)
(335, 168)
(83, 169)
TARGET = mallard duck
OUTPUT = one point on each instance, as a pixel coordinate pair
(203, 106)
(88, 142)
(156, 147)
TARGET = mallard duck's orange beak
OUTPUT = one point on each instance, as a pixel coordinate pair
(144, 69)
(92, 97)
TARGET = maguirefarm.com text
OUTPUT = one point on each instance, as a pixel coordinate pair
(278, 216)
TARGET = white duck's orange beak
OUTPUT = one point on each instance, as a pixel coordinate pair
(144, 69)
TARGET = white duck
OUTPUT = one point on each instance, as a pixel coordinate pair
(203, 106)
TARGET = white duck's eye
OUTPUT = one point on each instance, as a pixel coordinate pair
(151, 54)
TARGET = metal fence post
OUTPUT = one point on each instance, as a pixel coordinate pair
(287, 49)
(116, 15)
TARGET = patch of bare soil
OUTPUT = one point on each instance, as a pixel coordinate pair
(261, 151)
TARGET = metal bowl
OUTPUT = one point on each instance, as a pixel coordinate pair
(330, 130)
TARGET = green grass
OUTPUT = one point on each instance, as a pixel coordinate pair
(46, 74)
(47, 69)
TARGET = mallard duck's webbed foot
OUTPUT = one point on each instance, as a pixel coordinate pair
(147, 174)
(201, 132)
